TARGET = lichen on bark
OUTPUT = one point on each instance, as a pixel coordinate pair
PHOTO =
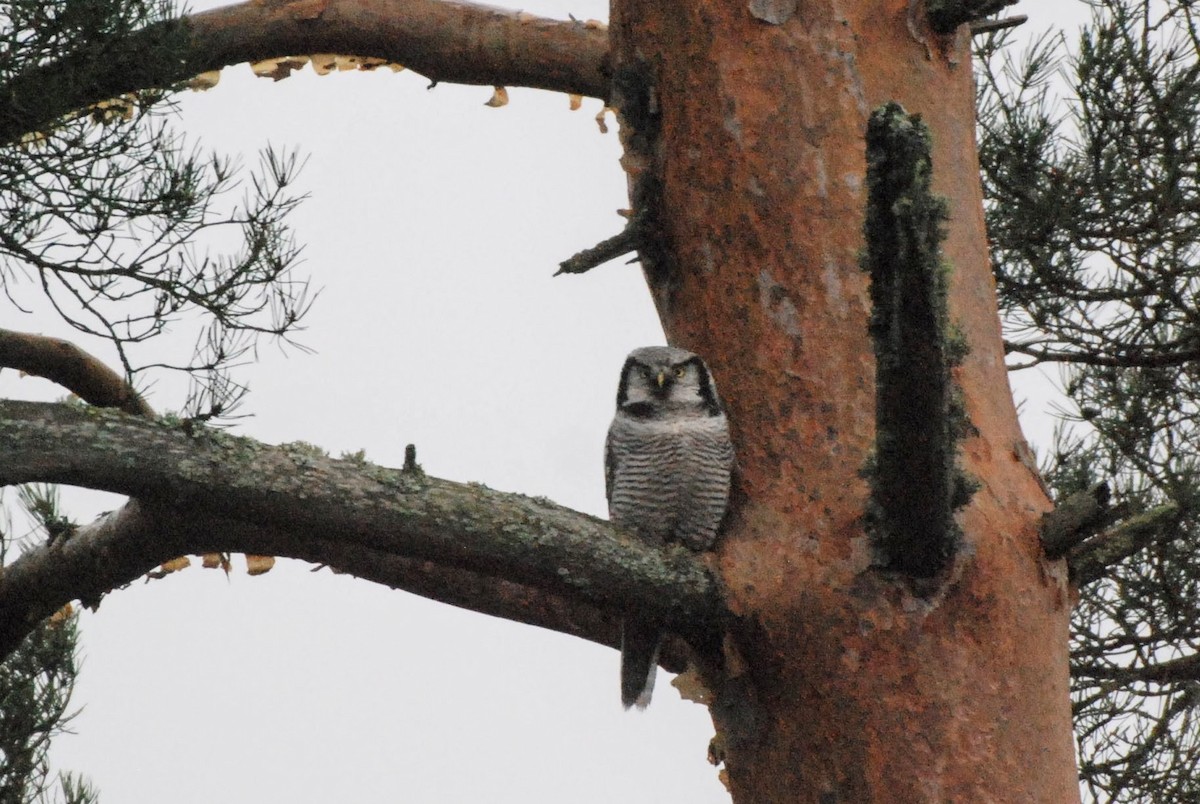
(915, 481)
(200, 490)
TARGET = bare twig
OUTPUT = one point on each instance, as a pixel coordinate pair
(627, 240)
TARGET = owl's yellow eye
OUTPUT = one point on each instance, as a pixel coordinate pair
(679, 372)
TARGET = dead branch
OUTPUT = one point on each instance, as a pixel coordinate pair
(447, 41)
(1075, 519)
(946, 15)
(1089, 561)
(979, 27)
(212, 492)
(627, 240)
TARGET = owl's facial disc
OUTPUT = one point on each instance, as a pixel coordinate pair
(653, 384)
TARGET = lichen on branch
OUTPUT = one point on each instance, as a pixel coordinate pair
(204, 491)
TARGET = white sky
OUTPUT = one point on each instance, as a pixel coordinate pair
(434, 226)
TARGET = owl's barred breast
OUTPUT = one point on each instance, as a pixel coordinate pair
(668, 462)
(672, 478)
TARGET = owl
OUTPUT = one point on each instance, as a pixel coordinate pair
(668, 462)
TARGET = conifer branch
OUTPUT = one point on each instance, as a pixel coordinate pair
(455, 42)
(203, 491)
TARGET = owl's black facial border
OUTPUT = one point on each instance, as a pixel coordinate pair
(623, 387)
(644, 410)
(708, 394)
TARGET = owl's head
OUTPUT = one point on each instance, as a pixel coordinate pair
(657, 380)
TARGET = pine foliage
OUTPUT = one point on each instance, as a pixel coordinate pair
(1090, 148)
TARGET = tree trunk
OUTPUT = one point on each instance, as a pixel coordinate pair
(746, 144)
(744, 129)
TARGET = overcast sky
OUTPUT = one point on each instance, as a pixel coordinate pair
(433, 229)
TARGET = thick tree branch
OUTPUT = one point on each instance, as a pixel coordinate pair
(211, 492)
(446, 41)
(122, 546)
(64, 363)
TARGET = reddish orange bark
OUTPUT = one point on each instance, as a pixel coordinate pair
(445, 41)
(867, 693)
(864, 692)
(463, 43)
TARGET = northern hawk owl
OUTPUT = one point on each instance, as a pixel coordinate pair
(668, 461)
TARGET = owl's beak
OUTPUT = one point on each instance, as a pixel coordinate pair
(662, 378)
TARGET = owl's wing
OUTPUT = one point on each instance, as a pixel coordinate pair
(610, 467)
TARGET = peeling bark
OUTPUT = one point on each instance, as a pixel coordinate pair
(744, 147)
(446, 41)
(208, 491)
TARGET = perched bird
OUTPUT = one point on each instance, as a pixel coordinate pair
(668, 461)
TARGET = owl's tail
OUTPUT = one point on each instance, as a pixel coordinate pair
(639, 661)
